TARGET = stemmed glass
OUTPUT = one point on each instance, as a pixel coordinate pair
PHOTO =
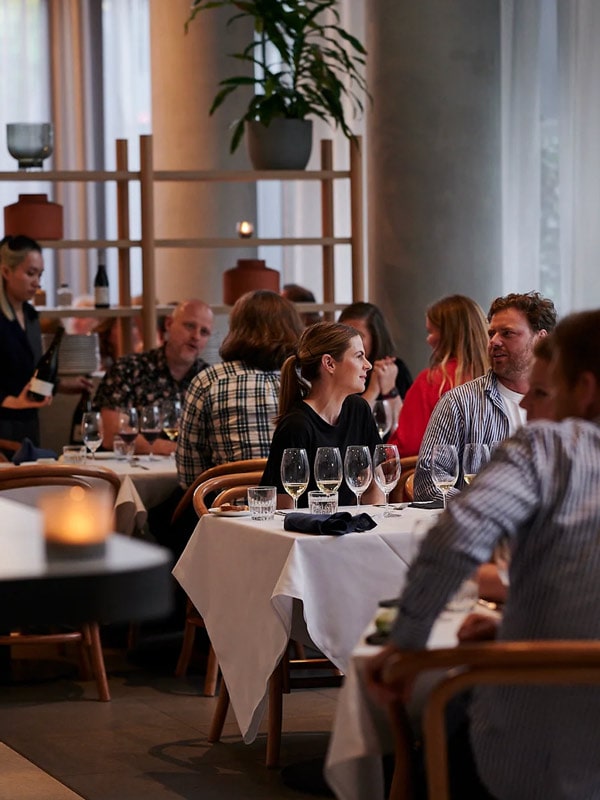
(128, 428)
(382, 414)
(295, 472)
(358, 469)
(170, 419)
(475, 457)
(386, 469)
(501, 558)
(328, 469)
(444, 468)
(93, 431)
(151, 426)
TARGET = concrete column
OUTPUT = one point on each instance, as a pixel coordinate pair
(186, 69)
(433, 159)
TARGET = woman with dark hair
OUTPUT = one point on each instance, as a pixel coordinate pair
(320, 404)
(229, 408)
(21, 267)
(390, 378)
(457, 334)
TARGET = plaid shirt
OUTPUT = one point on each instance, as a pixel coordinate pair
(142, 378)
(228, 415)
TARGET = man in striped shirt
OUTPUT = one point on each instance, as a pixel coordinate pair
(541, 492)
(487, 408)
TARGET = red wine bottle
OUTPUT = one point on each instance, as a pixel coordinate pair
(46, 372)
(101, 297)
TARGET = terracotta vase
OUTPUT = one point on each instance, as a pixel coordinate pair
(34, 216)
(248, 275)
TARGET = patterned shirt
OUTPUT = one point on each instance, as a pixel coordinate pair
(541, 491)
(472, 412)
(141, 378)
(228, 415)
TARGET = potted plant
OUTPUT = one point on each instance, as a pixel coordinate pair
(304, 65)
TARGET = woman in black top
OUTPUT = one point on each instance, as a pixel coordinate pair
(320, 404)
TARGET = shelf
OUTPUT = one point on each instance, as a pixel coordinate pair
(48, 312)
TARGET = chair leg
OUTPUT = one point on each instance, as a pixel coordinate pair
(212, 673)
(187, 647)
(91, 633)
(219, 716)
(275, 715)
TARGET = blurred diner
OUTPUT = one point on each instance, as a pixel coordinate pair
(299, 294)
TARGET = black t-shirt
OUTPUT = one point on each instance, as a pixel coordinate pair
(303, 427)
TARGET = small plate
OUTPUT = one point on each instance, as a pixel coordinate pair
(217, 510)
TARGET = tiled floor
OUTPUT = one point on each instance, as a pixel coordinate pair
(150, 741)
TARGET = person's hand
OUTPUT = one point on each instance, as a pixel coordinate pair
(75, 385)
(382, 694)
(478, 628)
(23, 401)
(385, 370)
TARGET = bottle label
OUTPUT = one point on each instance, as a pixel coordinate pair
(41, 387)
(101, 295)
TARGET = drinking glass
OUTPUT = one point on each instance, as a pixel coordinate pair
(128, 428)
(501, 558)
(295, 472)
(475, 457)
(171, 416)
(444, 468)
(358, 469)
(386, 469)
(382, 414)
(328, 469)
(93, 431)
(151, 426)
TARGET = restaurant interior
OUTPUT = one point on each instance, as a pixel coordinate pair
(476, 115)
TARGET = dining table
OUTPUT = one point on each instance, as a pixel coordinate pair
(257, 585)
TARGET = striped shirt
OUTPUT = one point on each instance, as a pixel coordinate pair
(472, 412)
(541, 491)
(228, 415)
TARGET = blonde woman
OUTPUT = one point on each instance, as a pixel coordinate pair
(457, 334)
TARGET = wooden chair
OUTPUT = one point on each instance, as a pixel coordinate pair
(399, 493)
(193, 620)
(87, 637)
(523, 663)
(8, 447)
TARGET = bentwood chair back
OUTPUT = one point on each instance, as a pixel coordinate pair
(399, 493)
(8, 448)
(566, 663)
(33, 479)
(40, 479)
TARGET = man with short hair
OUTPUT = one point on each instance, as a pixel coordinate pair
(487, 409)
(540, 491)
(164, 373)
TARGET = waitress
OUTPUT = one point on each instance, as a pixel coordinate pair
(21, 268)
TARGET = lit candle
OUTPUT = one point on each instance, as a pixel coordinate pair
(77, 523)
(245, 229)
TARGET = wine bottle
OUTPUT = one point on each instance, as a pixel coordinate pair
(101, 287)
(84, 404)
(46, 372)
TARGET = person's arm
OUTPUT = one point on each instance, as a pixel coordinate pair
(447, 425)
(192, 454)
(74, 385)
(22, 401)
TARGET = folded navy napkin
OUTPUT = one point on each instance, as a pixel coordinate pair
(328, 524)
(29, 452)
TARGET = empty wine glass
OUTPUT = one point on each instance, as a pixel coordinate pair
(128, 427)
(444, 468)
(328, 469)
(93, 431)
(295, 472)
(386, 469)
(171, 416)
(151, 426)
(501, 558)
(382, 414)
(358, 469)
(475, 457)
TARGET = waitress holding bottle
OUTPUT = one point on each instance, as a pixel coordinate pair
(21, 268)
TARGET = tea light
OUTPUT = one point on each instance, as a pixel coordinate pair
(77, 523)
(244, 229)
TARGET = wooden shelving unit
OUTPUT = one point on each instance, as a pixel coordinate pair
(148, 178)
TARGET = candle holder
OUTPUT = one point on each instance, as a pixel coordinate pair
(30, 142)
(77, 523)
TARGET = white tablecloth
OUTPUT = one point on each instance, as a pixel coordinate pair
(243, 577)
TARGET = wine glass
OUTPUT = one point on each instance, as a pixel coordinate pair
(382, 414)
(358, 469)
(128, 428)
(386, 469)
(151, 426)
(444, 468)
(328, 469)
(501, 558)
(171, 417)
(295, 472)
(475, 457)
(93, 431)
